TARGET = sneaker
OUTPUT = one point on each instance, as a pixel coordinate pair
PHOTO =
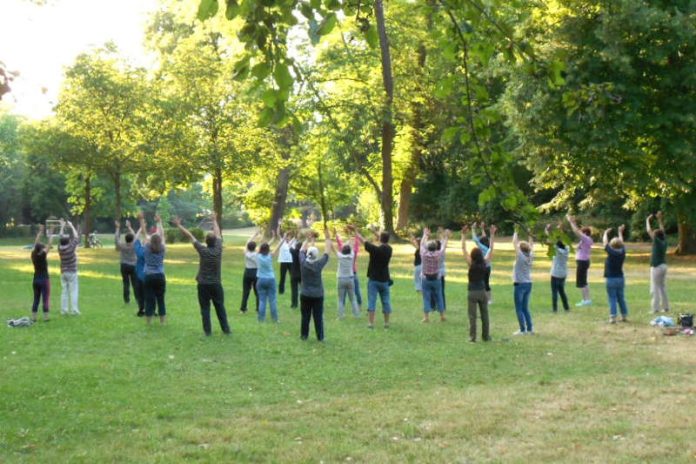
(588, 302)
(472, 340)
(46, 317)
(624, 319)
(487, 339)
(386, 325)
(519, 332)
(370, 326)
(140, 313)
(612, 320)
(531, 332)
(443, 319)
(33, 317)
(490, 302)
(425, 320)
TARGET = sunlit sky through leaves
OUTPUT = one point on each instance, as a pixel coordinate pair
(39, 41)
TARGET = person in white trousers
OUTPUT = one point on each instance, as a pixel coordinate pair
(68, 269)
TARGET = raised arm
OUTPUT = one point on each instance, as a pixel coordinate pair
(62, 227)
(605, 237)
(253, 237)
(50, 240)
(129, 227)
(464, 250)
(160, 229)
(445, 238)
(280, 243)
(184, 230)
(216, 226)
(574, 225)
(328, 244)
(74, 231)
(38, 234)
(117, 234)
(483, 229)
(648, 227)
(143, 226)
(621, 232)
(515, 240)
(339, 242)
(659, 221)
(489, 255)
(424, 240)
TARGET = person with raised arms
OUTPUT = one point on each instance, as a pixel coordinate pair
(378, 278)
(431, 256)
(582, 259)
(41, 283)
(484, 244)
(312, 292)
(209, 279)
(658, 264)
(477, 295)
(265, 280)
(285, 257)
(522, 280)
(356, 251)
(67, 250)
(128, 260)
(345, 255)
(613, 274)
(155, 284)
(139, 249)
(417, 264)
(250, 272)
(559, 272)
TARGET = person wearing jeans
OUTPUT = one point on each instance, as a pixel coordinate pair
(522, 278)
(68, 269)
(378, 278)
(344, 276)
(658, 265)
(613, 273)
(431, 257)
(265, 281)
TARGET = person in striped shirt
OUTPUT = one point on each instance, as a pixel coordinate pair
(68, 269)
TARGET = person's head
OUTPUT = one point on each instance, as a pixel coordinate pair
(477, 258)
(129, 237)
(438, 243)
(524, 247)
(38, 248)
(312, 254)
(210, 239)
(251, 246)
(485, 241)
(64, 240)
(616, 243)
(346, 249)
(156, 243)
(586, 230)
(432, 245)
(560, 244)
(659, 233)
(384, 237)
(264, 249)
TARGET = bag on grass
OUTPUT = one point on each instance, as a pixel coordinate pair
(21, 322)
(686, 320)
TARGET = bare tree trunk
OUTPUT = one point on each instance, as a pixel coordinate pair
(405, 191)
(687, 237)
(87, 212)
(217, 194)
(117, 191)
(388, 128)
(280, 199)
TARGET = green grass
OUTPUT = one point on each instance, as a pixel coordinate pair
(103, 387)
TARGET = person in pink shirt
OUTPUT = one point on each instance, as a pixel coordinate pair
(431, 256)
(582, 259)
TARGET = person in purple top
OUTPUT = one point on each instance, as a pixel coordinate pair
(582, 259)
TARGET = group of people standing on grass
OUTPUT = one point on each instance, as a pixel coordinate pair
(142, 268)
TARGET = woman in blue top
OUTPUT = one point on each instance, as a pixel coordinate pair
(613, 273)
(265, 280)
(155, 284)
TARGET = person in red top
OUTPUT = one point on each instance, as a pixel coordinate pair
(431, 256)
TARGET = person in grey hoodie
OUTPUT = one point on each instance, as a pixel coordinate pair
(312, 287)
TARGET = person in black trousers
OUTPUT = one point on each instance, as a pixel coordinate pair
(295, 274)
(250, 269)
(209, 278)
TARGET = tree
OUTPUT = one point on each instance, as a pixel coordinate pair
(102, 103)
(619, 121)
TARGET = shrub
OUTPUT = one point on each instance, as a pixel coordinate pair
(171, 235)
(196, 232)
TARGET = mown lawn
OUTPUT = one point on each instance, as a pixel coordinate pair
(103, 387)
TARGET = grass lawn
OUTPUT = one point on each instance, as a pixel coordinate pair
(103, 387)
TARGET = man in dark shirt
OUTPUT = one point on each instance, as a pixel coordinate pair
(208, 278)
(378, 280)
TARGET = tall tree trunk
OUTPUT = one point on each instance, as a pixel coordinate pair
(280, 199)
(217, 194)
(117, 192)
(687, 236)
(388, 128)
(405, 191)
(87, 212)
